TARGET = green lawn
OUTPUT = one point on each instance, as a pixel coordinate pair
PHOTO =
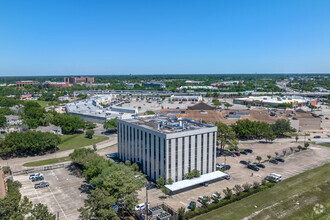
(46, 162)
(325, 144)
(78, 141)
(293, 198)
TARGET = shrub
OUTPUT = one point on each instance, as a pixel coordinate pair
(256, 185)
(246, 187)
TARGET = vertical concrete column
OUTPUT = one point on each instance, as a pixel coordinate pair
(186, 154)
(199, 151)
(173, 167)
(144, 152)
(204, 153)
(152, 158)
(210, 156)
(193, 150)
(180, 154)
(162, 158)
(167, 159)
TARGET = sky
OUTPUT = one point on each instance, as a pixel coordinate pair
(79, 37)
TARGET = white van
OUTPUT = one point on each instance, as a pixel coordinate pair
(276, 175)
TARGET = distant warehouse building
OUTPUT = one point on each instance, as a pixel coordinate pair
(273, 101)
(154, 85)
(186, 98)
(168, 147)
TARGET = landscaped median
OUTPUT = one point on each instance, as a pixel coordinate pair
(46, 162)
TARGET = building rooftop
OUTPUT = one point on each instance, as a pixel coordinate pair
(195, 181)
(167, 124)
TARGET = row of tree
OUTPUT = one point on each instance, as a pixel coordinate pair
(13, 207)
(28, 143)
(116, 184)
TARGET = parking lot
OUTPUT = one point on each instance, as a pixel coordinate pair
(64, 195)
(294, 164)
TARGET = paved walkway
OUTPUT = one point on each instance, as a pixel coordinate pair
(17, 163)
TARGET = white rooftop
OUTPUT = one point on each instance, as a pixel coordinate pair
(195, 181)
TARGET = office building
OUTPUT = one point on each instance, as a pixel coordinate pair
(23, 83)
(167, 146)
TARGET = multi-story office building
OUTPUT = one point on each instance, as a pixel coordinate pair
(166, 146)
(23, 83)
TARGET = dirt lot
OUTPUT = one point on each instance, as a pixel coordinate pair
(294, 164)
(64, 195)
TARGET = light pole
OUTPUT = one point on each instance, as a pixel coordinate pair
(55, 148)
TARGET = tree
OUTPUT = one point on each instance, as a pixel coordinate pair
(276, 153)
(170, 181)
(228, 105)
(160, 182)
(284, 152)
(256, 185)
(90, 125)
(258, 158)
(94, 147)
(226, 136)
(69, 123)
(312, 107)
(248, 106)
(268, 156)
(40, 211)
(99, 205)
(282, 126)
(149, 112)
(306, 144)
(110, 124)
(3, 121)
(291, 149)
(246, 187)
(238, 189)
(218, 197)
(89, 134)
(181, 213)
(206, 201)
(297, 138)
(268, 134)
(228, 193)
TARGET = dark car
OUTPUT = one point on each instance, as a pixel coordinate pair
(280, 159)
(41, 185)
(244, 162)
(233, 155)
(248, 150)
(253, 167)
(260, 165)
(244, 152)
(237, 153)
(317, 136)
(273, 161)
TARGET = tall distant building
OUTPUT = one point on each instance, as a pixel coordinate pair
(166, 146)
(23, 83)
(79, 80)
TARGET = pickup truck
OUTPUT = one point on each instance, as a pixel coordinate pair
(37, 178)
(41, 185)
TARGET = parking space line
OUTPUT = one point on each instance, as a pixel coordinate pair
(57, 203)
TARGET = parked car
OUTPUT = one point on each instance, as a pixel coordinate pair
(37, 178)
(233, 155)
(273, 161)
(244, 162)
(41, 185)
(215, 198)
(201, 199)
(206, 184)
(227, 177)
(317, 136)
(192, 204)
(260, 165)
(237, 153)
(280, 159)
(274, 178)
(34, 175)
(244, 152)
(249, 150)
(114, 155)
(253, 167)
(141, 206)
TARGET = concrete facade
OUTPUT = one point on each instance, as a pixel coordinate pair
(167, 152)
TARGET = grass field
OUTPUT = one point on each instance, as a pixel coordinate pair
(46, 162)
(78, 140)
(298, 197)
(325, 145)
